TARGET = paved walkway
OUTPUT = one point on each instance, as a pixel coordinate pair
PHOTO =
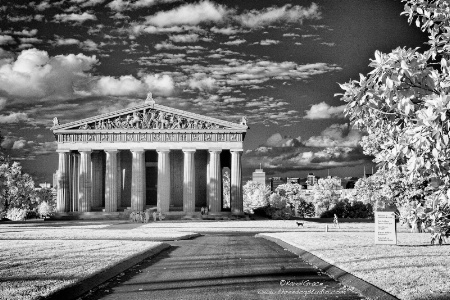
(223, 266)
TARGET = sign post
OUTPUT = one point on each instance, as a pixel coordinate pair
(385, 231)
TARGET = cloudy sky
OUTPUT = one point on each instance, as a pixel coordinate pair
(277, 62)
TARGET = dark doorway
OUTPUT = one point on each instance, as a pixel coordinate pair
(151, 177)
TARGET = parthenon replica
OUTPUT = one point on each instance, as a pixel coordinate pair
(148, 156)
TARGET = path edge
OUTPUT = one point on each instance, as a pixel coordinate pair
(75, 290)
(363, 287)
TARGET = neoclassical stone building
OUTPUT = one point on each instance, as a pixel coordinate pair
(148, 156)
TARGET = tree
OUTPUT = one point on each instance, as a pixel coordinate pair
(292, 193)
(16, 189)
(403, 103)
(326, 194)
(256, 195)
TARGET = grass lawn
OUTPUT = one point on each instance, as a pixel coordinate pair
(413, 269)
(33, 268)
(85, 231)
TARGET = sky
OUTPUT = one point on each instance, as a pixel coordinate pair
(276, 62)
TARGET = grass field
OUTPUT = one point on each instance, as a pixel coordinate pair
(30, 269)
(36, 258)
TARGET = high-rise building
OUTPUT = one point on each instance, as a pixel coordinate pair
(311, 180)
(259, 176)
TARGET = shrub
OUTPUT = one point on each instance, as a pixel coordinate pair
(45, 210)
(305, 209)
(346, 209)
(16, 214)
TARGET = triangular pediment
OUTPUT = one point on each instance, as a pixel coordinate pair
(150, 117)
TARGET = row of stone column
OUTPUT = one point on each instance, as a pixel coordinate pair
(75, 181)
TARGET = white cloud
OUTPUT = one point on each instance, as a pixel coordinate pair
(166, 45)
(122, 86)
(226, 30)
(35, 74)
(43, 6)
(285, 14)
(235, 42)
(64, 42)
(276, 140)
(129, 85)
(159, 84)
(13, 118)
(268, 42)
(336, 135)
(120, 5)
(291, 34)
(79, 18)
(20, 144)
(184, 38)
(89, 45)
(189, 14)
(30, 40)
(25, 32)
(6, 39)
(324, 111)
(202, 83)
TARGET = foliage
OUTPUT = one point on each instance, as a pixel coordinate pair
(279, 208)
(16, 214)
(45, 210)
(46, 195)
(389, 188)
(325, 194)
(256, 195)
(16, 189)
(291, 191)
(403, 103)
(226, 188)
(348, 209)
(305, 209)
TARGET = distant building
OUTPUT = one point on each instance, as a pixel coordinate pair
(311, 180)
(275, 182)
(45, 185)
(259, 176)
(292, 180)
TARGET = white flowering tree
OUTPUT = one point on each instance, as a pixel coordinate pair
(326, 194)
(16, 188)
(292, 193)
(256, 195)
(404, 102)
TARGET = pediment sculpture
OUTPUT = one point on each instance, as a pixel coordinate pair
(150, 118)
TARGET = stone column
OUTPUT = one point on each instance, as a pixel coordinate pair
(138, 180)
(85, 182)
(75, 172)
(189, 182)
(208, 178)
(236, 182)
(63, 193)
(163, 189)
(215, 182)
(97, 179)
(111, 181)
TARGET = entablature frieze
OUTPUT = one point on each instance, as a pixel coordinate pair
(145, 137)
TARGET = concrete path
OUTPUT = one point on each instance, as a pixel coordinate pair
(223, 266)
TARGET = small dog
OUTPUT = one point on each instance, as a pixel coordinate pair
(299, 224)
